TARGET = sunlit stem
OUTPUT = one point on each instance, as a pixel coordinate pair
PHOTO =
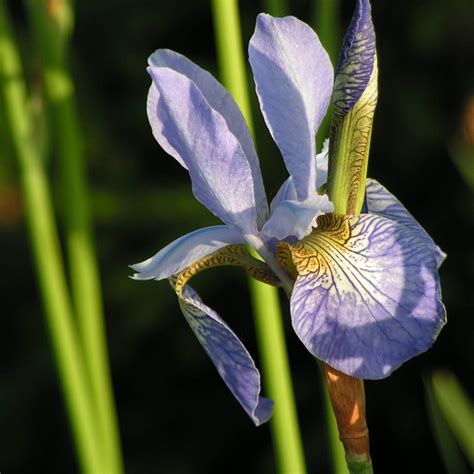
(348, 401)
(284, 423)
(47, 255)
(85, 278)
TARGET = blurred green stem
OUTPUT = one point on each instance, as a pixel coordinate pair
(457, 409)
(276, 7)
(271, 340)
(336, 449)
(85, 278)
(47, 255)
(326, 23)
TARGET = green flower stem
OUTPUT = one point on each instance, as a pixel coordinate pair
(276, 369)
(85, 278)
(276, 7)
(326, 24)
(284, 423)
(47, 255)
(336, 449)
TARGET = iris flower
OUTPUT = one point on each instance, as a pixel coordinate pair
(365, 292)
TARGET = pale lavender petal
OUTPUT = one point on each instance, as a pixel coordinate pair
(382, 202)
(296, 219)
(186, 250)
(220, 173)
(370, 298)
(287, 191)
(231, 359)
(356, 59)
(221, 101)
(294, 79)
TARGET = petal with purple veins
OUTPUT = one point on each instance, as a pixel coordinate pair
(221, 101)
(294, 79)
(220, 172)
(356, 60)
(383, 203)
(186, 250)
(367, 297)
(231, 359)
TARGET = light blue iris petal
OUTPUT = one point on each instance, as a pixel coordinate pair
(296, 219)
(186, 250)
(371, 305)
(221, 101)
(294, 79)
(287, 191)
(231, 359)
(220, 173)
(382, 202)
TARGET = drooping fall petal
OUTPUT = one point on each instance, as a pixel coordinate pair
(367, 297)
(231, 359)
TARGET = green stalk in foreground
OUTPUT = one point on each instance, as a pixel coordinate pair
(276, 7)
(83, 265)
(284, 423)
(46, 253)
(326, 23)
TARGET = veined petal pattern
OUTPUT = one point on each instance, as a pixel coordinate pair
(367, 297)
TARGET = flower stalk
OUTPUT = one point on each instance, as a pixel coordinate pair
(266, 306)
(354, 101)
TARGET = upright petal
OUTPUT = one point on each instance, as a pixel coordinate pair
(383, 203)
(287, 191)
(294, 78)
(221, 101)
(367, 297)
(220, 172)
(186, 250)
(296, 218)
(231, 359)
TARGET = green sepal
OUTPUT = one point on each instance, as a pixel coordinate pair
(360, 467)
(349, 147)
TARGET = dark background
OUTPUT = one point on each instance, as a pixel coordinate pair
(176, 415)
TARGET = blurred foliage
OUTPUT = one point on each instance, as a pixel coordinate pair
(176, 415)
(452, 419)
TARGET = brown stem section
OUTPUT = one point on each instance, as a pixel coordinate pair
(348, 402)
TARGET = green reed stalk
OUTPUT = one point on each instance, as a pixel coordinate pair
(326, 23)
(276, 7)
(271, 340)
(85, 279)
(47, 255)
